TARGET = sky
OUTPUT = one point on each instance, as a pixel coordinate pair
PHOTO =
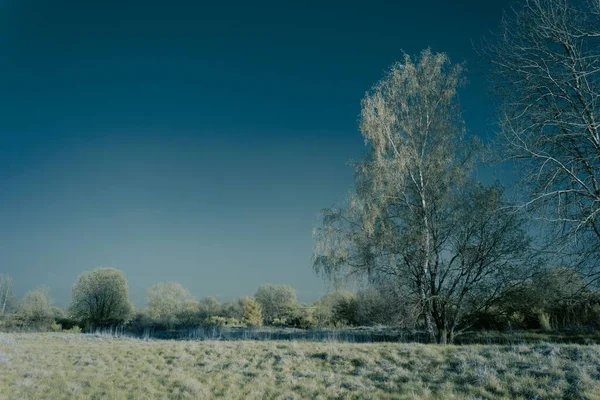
(196, 141)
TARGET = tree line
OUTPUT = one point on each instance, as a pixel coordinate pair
(554, 299)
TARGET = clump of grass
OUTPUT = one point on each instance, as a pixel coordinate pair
(62, 366)
(544, 320)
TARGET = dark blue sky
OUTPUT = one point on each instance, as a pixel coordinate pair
(196, 141)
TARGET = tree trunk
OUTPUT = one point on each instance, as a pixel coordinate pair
(425, 262)
(442, 336)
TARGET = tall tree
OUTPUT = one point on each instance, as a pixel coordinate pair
(546, 71)
(408, 220)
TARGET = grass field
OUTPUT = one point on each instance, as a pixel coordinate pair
(69, 366)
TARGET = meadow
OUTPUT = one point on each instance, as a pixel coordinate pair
(78, 366)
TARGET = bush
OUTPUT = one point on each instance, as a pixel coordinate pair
(252, 311)
(74, 329)
(67, 322)
(335, 309)
(170, 304)
(557, 298)
(276, 301)
(14, 322)
(544, 321)
(54, 327)
(302, 318)
(36, 309)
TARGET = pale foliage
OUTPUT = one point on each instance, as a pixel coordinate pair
(101, 297)
(252, 311)
(168, 303)
(209, 306)
(36, 307)
(276, 301)
(415, 220)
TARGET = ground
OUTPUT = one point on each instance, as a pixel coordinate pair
(76, 366)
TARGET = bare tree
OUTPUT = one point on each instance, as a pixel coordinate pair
(5, 292)
(546, 71)
(408, 221)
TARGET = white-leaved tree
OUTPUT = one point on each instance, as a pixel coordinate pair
(415, 219)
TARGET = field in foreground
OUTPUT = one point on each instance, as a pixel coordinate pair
(67, 366)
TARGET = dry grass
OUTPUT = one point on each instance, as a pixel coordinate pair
(67, 366)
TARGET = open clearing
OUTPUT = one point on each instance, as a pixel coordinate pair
(69, 366)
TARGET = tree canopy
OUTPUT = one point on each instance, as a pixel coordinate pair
(101, 298)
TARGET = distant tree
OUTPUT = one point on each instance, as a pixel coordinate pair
(252, 311)
(276, 301)
(209, 306)
(554, 298)
(58, 313)
(232, 310)
(382, 305)
(170, 303)
(301, 317)
(101, 298)
(415, 218)
(547, 78)
(36, 307)
(335, 309)
(6, 294)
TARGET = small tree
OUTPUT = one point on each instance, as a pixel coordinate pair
(36, 307)
(170, 303)
(8, 300)
(101, 298)
(5, 293)
(252, 311)
(276, 301)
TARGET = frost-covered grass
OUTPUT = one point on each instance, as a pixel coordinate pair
(68, 366)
